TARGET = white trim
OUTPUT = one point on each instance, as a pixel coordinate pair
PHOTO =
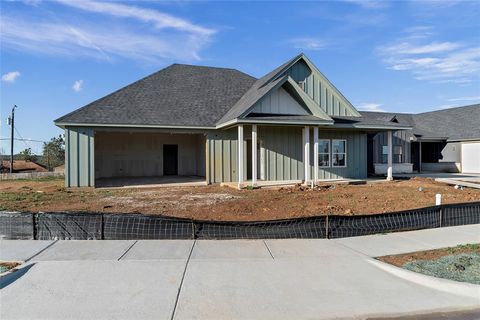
(254, 155)
(390, 155)
(307, 153)
(240, 155)
(315, 154)
(328, 153)
(60, 124)
(344, 153)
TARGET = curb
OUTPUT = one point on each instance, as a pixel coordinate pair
(468, 290)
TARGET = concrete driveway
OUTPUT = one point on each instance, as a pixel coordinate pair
(237, 279)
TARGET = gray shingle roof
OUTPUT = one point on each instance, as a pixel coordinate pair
(461, 123)
(179, 95)
(369, 120)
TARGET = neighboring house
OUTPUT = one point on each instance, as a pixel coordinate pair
(21, 166)
(60, 168)
(443, 141)
(293, 124)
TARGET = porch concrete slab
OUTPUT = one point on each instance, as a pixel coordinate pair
(305, 248)
(230, 249)
(85, 250)
(92, 290)
(21, 250)
(159, 250)
(303, 288)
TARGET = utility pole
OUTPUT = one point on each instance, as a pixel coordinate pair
(11, 122)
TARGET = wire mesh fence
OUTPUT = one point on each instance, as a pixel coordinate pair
(282, 229)
(16, 225)
(460, 214)
(68, 226)
(81, 226)
(352, 226)
(137, 226)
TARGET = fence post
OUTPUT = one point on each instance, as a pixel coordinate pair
(326, 227)
(34, 225)
(440, 216)
(193, 229)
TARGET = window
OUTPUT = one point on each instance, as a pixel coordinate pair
(384, 154)
(324, 153)
(339, 153)
(397, 154)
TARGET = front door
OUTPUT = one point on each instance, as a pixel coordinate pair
(170, 159)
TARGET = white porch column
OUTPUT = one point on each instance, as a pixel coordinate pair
(254, 155)
(315, 154)
(240, 155)
(306, 157)
(390, 156)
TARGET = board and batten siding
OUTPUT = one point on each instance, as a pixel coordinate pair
(400, 138)
(283, 154)
(356, 156)
(320, 90)
(279, 102)
(79, 157)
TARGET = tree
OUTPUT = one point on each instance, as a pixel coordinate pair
(54, 152)
(27, 155)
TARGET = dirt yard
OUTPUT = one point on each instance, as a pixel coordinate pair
(401, 259)
(222, 203)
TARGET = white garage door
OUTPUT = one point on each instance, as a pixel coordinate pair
(471, 157)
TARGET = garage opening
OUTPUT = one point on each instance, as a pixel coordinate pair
(148, 158)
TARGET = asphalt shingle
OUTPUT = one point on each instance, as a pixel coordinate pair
(179, 95)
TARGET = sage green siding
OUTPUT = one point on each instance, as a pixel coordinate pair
(279, 102)
(321, 90)
(356, 156)
(283, 154)
(79, 157)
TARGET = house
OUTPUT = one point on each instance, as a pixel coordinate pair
(221, 125)
(21, 166)
(440, 141)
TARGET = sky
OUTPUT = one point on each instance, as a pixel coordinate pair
(400, 56)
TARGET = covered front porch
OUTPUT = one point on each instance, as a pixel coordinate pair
(262, 155)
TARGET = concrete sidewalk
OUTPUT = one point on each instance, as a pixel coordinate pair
(236, 279)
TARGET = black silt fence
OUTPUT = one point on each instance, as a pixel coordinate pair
(352, 226)
(17, 225)
(281, 229)
(68, 226)
(460, 214)
(84, 226)
(138, 226)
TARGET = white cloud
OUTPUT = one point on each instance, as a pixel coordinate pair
(77, 86)
(442, 62)
(99, 41)
(307, 43)
(160, 19)
(367, 106)
(154, 37)
(10, 76)
(472, 98)
(369, 4)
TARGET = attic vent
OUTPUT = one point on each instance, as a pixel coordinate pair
(394, 119)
